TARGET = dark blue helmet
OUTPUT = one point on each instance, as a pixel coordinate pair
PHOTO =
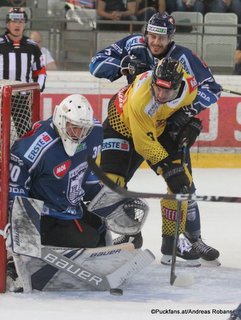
(161, 23)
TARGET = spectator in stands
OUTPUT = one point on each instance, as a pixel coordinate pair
(186, 5)
(145, 9)
(205, 6)
(219, 6)
(116, 10)
(237, 59)
(168, 6)
(233, 6)
(12, 3)
(48, 59)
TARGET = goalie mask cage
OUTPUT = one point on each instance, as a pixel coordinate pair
(19, 109)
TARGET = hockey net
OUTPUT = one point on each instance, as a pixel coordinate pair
(19, 109)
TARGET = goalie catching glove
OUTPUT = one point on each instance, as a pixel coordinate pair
(130, 64)
(121, 215)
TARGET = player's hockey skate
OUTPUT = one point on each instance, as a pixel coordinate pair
(209, 255)
(136, 239)
(188, 256)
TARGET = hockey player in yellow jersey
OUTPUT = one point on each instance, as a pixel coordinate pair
(134, 131)
(145, 106)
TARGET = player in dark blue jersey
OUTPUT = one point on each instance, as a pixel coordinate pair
(137, 53)
(50, 164)
(51, 186)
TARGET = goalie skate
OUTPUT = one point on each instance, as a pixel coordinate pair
(13, 283)
(136, 240)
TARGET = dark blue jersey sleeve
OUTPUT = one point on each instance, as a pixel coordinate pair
(106, 63)
(208, 89)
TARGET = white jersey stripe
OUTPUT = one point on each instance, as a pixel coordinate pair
(24, 66)
(12, 66)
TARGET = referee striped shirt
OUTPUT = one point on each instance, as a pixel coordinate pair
(21, 61)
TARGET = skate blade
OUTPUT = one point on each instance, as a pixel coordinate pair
(212, 263)
(167, 261)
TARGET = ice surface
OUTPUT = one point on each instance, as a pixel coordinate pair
(148, 295)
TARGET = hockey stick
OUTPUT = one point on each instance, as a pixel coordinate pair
(231, 91)
(174, 249)
(152, 195)
(176, 235)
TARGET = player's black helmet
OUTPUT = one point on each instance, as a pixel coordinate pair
(168, 74)
(16, 14)
(161, 23)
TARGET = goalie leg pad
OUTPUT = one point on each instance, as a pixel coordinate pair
(25, 226)
(121, 215)
(47, 269)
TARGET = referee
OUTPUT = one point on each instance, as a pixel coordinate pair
(20, 60)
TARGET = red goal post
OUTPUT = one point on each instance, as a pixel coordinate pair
(19, 109)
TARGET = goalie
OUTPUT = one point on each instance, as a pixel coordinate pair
(50, 164)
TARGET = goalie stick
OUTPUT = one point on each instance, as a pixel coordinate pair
(153, 195)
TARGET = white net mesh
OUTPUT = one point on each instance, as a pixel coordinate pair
(21, 110)
(21, 114)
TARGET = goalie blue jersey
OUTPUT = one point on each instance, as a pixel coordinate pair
(41, 169)
(106, 64)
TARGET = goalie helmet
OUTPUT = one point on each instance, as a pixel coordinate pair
(16, 14)
(161, 23)
(168, 74)
(73, 118)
